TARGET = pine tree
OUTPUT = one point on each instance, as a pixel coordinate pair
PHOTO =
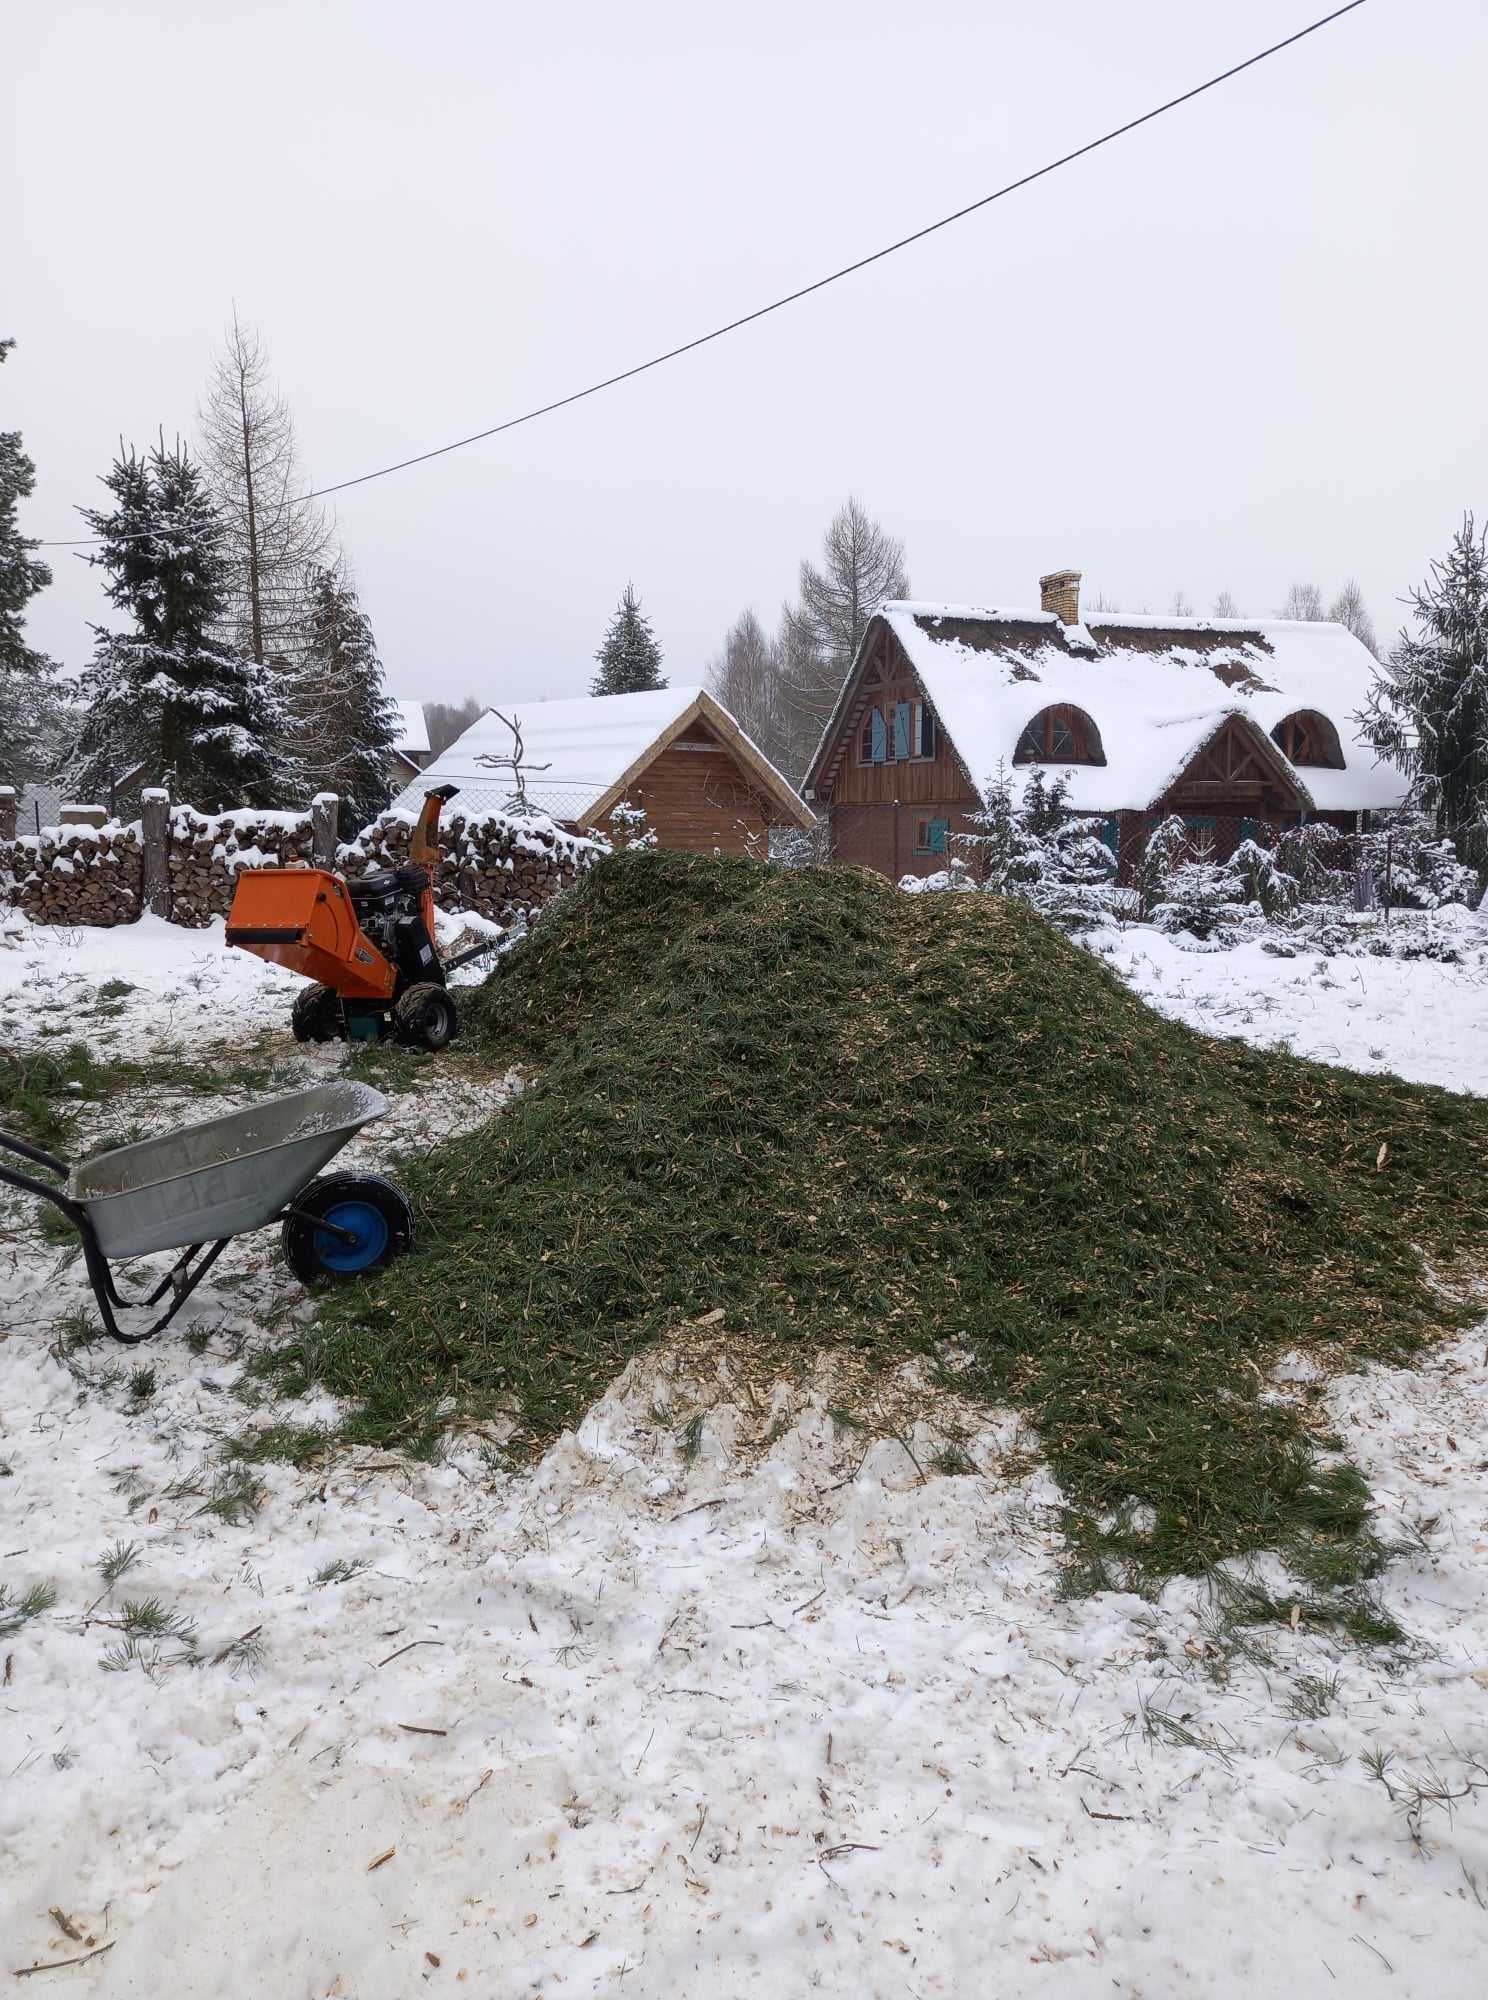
(630, 659)
(29, 701)
(167, 700)
(343, 721)
(1428, 708)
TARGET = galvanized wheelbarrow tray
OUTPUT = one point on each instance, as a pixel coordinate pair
(197, 1188)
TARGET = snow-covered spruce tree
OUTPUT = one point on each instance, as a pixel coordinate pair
(1074, 885)
(1203, 893)
(1164, 854)
(167, 700)
(30, 705)
(630, 659)
(1415, 867)
(1428, 708)
(343, 721)
(997, 850)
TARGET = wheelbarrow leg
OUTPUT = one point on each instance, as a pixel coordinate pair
(184, 1277)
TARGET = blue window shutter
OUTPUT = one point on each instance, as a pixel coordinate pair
(1250, 829)
(939, 828)
(880, 737)
(901, 729)
(1111, 834)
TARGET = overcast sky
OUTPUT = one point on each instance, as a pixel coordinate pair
(1242, 346)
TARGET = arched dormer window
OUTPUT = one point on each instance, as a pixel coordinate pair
(1060, 735)
(1309, 738)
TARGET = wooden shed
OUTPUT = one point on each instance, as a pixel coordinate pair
(674, 752)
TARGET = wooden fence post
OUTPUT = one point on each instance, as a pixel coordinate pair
(325, 809)
(8, 804)
(155, 839)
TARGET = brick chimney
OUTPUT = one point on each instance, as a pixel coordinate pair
(1059, 592)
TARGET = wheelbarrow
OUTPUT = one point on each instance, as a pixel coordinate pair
(197, 1188)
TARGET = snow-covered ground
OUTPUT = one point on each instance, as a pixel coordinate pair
(184, 987)
(789, 1717)
(1416, 1018)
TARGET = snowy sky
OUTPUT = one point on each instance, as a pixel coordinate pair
(1242, 346)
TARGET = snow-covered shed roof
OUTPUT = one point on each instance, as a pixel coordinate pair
(413, 735)
(1156, 688)
(578, 756)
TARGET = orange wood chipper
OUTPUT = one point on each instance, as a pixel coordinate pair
(368, 945)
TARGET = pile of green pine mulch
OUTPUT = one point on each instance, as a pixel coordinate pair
(926, 1126)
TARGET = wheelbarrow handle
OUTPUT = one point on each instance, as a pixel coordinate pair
(35, 1154)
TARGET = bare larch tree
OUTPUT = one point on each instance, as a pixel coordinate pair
(862, 566)
(276, 539)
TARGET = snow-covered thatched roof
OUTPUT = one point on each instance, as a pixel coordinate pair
(1157, 690)
(578, 756)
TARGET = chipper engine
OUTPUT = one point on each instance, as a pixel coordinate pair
(367, 945)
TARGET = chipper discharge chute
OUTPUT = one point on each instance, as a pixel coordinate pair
(367, 945)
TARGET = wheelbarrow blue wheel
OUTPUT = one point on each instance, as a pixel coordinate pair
(345, 1225)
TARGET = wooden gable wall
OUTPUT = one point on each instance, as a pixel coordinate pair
(879, 810)
(698, 797)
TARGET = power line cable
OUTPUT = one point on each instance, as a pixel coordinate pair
(802, 291)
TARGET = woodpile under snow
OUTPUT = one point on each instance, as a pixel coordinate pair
(207, 851)
(74, 874)
(503, 868)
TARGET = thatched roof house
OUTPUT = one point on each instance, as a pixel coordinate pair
(1234, 723)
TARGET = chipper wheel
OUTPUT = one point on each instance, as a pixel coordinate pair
(371, 1220)
(424, 1017)
(314, 1016)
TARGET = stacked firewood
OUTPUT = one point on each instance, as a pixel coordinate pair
(502, 868)
(76, 875)
(207, 853)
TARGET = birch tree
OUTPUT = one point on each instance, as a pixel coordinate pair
(1349, 610)
(745, 679)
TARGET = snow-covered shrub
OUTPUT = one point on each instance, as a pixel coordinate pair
(1417, 867)
(801, 846)
(630, 827)
(1317, 857)
(956, 878)
(1263, 881)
